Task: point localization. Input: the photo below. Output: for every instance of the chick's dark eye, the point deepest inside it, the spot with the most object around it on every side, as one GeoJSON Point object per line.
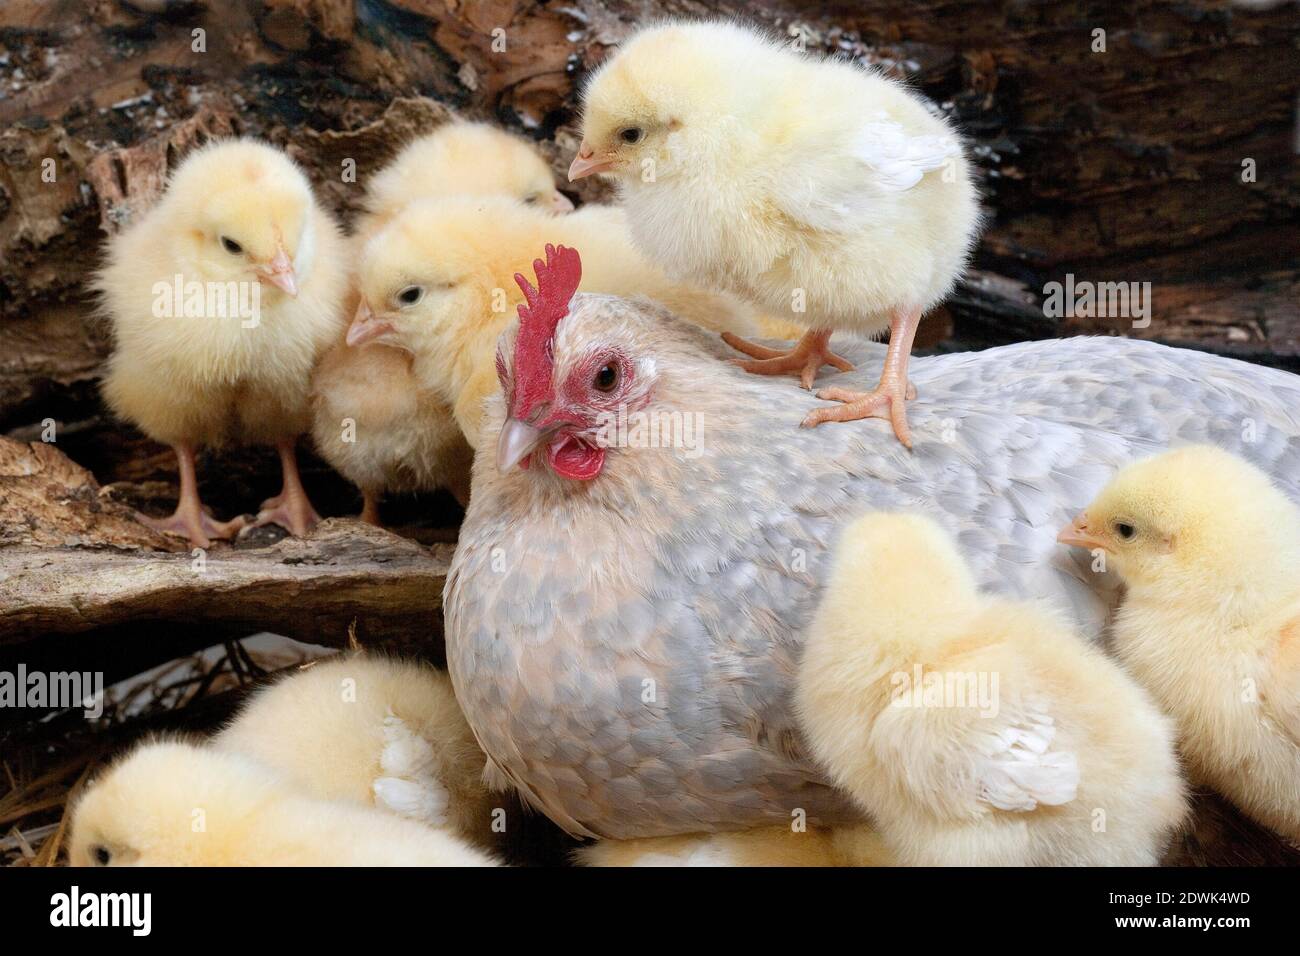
{"type": "Point", "coordinates": [1124, 530]}
{"type": "Point", "coordinates": [410, 295]}
{"type": "Point", "coordinates": [102, 855]}
{"type": "Point", "coordinates": [606, 378]}
{"type": "Point", "coordinates": [231, 246]}
{"type": "Point", "coordinates": [630, 134]}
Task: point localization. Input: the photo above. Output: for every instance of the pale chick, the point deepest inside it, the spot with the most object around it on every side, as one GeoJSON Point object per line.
{"type": "Point", "coordinates": [176, 804]}
{"type": "Point", "coordinates": [769, 846]}
{"type": "Point", "coordinates": [1209, 551]}
{"type": "Point", "coordinates": [463, 159]}
{"type": "Point", "coordinates": [374, 731]}
{"type": "Point", "coordinates": [816, 188]}
{"type": "Point", "coordinates": [438, 281]}
{"type": "Point", "coordinates": [976, 730]}
{"type": "Point", "coordinates": [370, 419]}
{"type": "Point", "coordinates": [237, 224]}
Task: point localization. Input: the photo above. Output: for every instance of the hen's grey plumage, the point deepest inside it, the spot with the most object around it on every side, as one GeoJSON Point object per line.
{"type": "Point", "coordinates": [625, 648]}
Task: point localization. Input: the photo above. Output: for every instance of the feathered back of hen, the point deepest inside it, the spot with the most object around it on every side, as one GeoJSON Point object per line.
{"type": "Point", "coordinates": [557, 281]}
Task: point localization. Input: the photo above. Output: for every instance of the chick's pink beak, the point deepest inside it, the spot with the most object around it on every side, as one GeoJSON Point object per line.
{"type": "Point", "coordinates": [587, 163]}
{"type": "Point", "coordinates": [366, 326]}
{"type": "Point", "coordinates": [280, 273]}
{"type": "Point", "coordinates": [1077, 535]}
{"type": "Point", "coordinates": [561, 203]}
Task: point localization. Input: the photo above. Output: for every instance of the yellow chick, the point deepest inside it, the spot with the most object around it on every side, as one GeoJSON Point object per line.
{"type": "Point", "coordinates": [378, 429]}
{"type": "Point", "coordinates": [438, 281]}
{"type": "Point", "coordinates": [464, 159]}
{"type": "Point", "coordinates": [222, 298]}
{"type": "Point", "coordinates": [174, 804]}
{"type": "Point", "coordinates": [371, 421]}
{"type": "Point", "coordinates": [812, 187]}
{"type": "Point", "coordinates": [976, 730]}
{"type": "Point", "coordinates": [374, 731]}
{"type": "Point", "coordinates": [1209, 551]}
{"type": "Point", "coordinates": [775, 846]}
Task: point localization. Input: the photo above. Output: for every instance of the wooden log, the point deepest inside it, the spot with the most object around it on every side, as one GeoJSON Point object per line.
{"type": "Point", "coordinates": [344, 575]}
{"type": "Point", "coordinates": [72, 560]}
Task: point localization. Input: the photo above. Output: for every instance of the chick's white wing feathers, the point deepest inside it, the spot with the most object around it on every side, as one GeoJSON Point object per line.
{"type": "Point", "coordinates": [409, 786]}
{"type": "Point", "coordinates": [836, 189]}
{"type": "Point", "coordinates": [1018, 769]}
{"type": "Point", "coordinates": [897, 159]}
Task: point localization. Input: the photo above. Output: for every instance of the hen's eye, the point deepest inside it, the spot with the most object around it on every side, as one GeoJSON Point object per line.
{"type": "Point", "coordinates": [631, 134]}
{"type": "Point", "coordinates": [1125, 531]}
{"type": "Point", "coordinates": [606, 378]}
{"type": "Point", "coordinates": [410, 295]}
{"type": "Point", "coordinates": [101, 855]}
{"type": "Point", "coordinates": [231, 246]}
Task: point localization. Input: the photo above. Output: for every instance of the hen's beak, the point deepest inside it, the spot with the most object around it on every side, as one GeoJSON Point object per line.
{"type": "Point", "coordinates": [516, 442]}
{"type": "Point", "coordinates": [280, 273]}
{"type": "Point", "coordinates": [1077, 535]}
{"type": "Point", "coordinates": [586, 163]}
{"type": "Point", "coordinates": [561, 203]}
{"type": "Point", "coordinates": [366, 326]}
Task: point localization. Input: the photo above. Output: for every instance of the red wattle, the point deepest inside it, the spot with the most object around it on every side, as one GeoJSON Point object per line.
{"type": "Point", "coordinates": [571, 458]}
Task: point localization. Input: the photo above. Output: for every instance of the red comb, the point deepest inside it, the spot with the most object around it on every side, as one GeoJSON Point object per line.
{"type": "Point", "coordinates": [557, 280]}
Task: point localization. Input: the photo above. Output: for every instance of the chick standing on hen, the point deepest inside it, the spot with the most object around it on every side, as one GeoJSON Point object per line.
{"type": "Point", "coordinates": [175, 804]}
{"type": "Point", "coordinates": [1209, 549]}
{"type": "Point", "coordinates": [813, 187]}
{"type": "Point", "coordinates": [373, 731]}
{"type": "Point", "coordinates": [238, 223]}
{"type": "Point", "coordinates": [625, 617]}
{"type": "Point", "coordinates": [371, 419]}
{"type": "Point", "coordinates": [977, 731]}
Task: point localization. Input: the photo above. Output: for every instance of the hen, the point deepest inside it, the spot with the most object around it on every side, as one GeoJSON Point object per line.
{"type": "Point", "coordinates": [625, 617]}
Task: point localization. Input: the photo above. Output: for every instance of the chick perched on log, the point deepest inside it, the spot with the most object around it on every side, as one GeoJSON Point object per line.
{"type": "Point", "coordinates": [371, 418]}
{"type": "Point", "coordinates": [222, 298]}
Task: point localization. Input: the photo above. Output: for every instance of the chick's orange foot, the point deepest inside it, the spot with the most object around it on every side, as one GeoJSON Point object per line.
{"type": "Point", "coordinates": [888, 401]}
{"type": "Point", "coordinates": [193, 522]}
{"type": "Point", "coordinates": [807, 357]}
{"type": "Point", "coordinates": [291, 511]}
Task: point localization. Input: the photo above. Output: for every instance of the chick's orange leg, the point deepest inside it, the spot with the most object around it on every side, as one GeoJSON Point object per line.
{"type": "Point", "coordinates": [889, 400]}
{"type": "Point", "coordinates": [291, 508]}
{"type": "Point", "coordinates": [190, 520]}
{"type": "Point", "coordinates": [807, 357]}
{"type": "Point", "coordinates": [370, 509]}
